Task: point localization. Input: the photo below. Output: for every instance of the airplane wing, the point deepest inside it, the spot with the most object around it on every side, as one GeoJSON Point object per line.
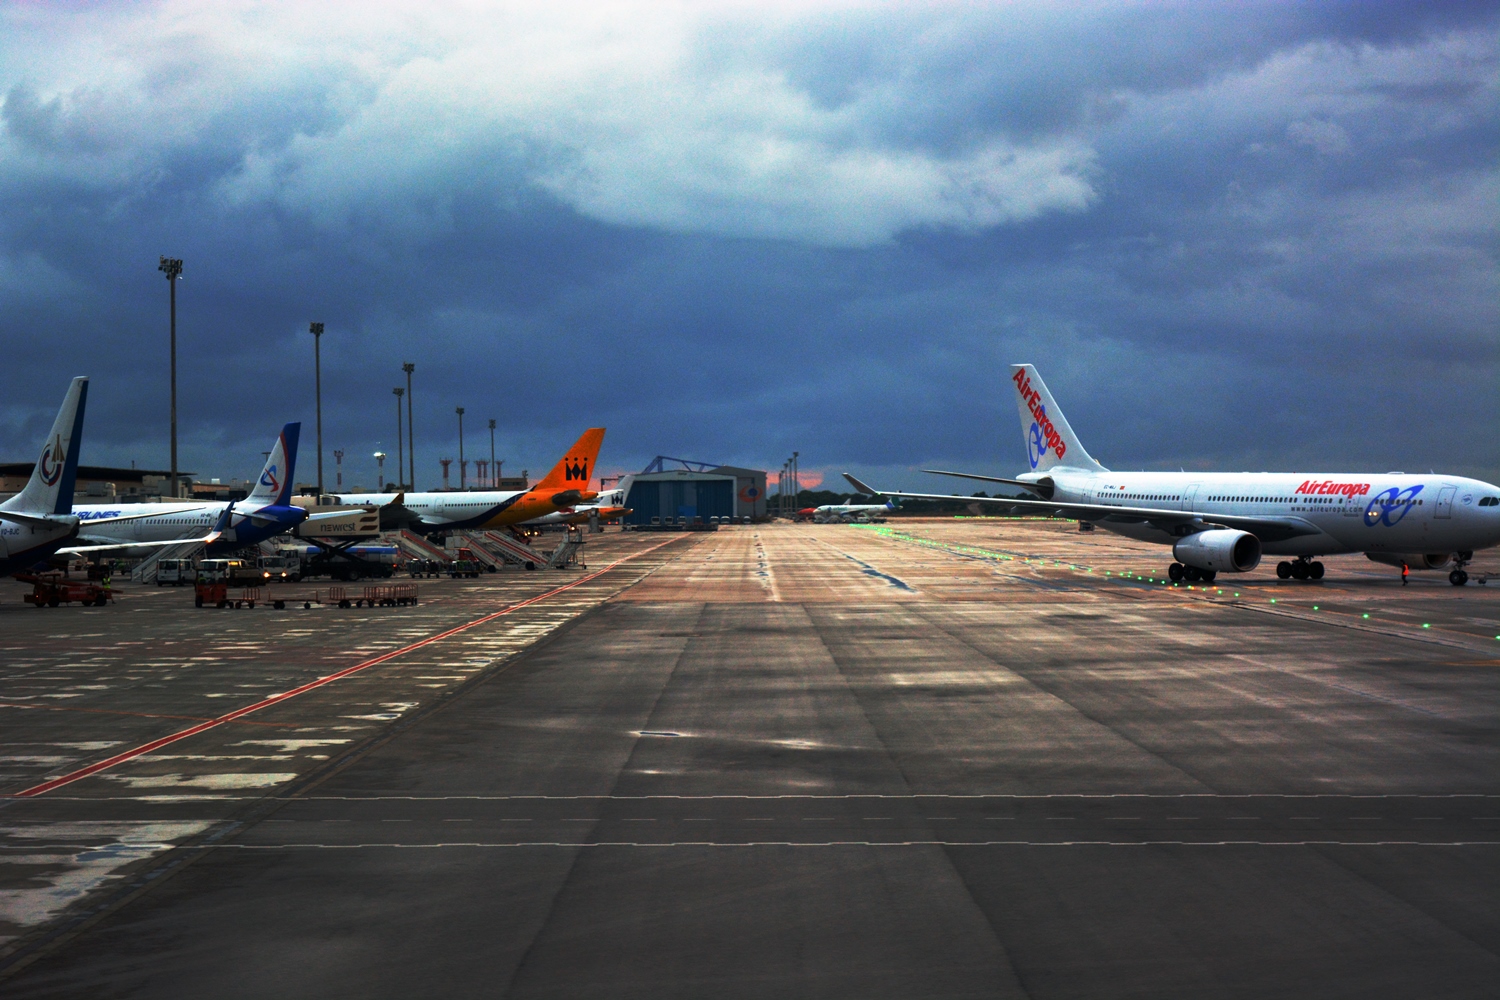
{"type": "Point", "coordinates": [85, 549]}
{"type": "Point", "coordinates": [1267, 529]}
{"type": "Point", "coordinates": [988, 479]}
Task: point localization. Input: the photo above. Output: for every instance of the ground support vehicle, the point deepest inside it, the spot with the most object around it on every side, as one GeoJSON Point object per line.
{"type": "Point", "coordinates": [174, 571]}
{"type": "Point", "coordinates": [51, 589]}
{"type": "Point", "coordinates": [463, 567]}
{"type": "Point", "coordinates": [219, 594]}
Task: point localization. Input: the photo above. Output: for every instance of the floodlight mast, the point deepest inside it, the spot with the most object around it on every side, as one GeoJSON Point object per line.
{"type": "Point", "coordinates": [316, 329]}
{"type": "Point", "coordinates": [463, 467]}
{"type": "Point", "coordinates": [495, 472]}
{"type": "Point", "coordinates": [172, 268]}
{"type": "Point", "coordinates": [400, 454]}
{"type": "Point", "coordinates": [411, 435]}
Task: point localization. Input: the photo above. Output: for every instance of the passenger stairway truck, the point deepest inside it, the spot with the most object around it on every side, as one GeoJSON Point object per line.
{"type": "Point", "coordinates": [418, 547]}
{"type": "Point", "coordinates": [569, 551]}
{"type": "Point", "coordinates": [515, 550]}
{"type": "Point", "coordinates": [147, 569]}
{"type": "Point", "coordinates": [479, 548]}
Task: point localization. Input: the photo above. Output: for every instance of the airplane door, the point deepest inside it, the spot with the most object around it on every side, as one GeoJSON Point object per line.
{"type": "Point", "coordinates": [1445, 502]}
{"type": "Point", "coordinates": [1189, 496]}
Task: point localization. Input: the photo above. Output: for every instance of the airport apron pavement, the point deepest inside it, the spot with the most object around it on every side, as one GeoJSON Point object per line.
{"type": "Point", "coordinates": [929, 758]}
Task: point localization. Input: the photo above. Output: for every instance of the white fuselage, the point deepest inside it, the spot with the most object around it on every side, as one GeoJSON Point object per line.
{"type": "Point", "coordinates": [1392, 512]}
{"type": "Point", "coordinates": [165, 521]}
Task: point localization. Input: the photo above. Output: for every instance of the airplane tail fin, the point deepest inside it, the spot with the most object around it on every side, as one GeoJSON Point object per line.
{"type": "Point", "coordinates": [50, 489]}
{"type": "Point", "coordinates": [275, 483]}
{"type": "Point", "coordinates": [577, 466]}
{"type": "Point", "coordinates": [1049, 439]}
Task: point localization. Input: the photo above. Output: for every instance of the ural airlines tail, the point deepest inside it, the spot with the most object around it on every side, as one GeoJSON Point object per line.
{"type": "Point", "coordinates": [221, 526]}
{"type": "Point", "coordinates": [1224, 522]}
{"type": "Point", "coordinates": [37, 521]}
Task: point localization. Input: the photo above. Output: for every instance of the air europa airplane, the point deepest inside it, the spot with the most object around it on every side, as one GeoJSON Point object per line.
{"type": "Point", "coordinates": [464, 510]}
{"type": "Point", "coordinates": [1226, 521]}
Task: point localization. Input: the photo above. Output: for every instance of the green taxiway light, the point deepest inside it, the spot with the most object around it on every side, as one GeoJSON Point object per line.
{"type": "Point", "coordinates": [1236, 593]}
{"type": "Point", "coordinates": [1273, 600]}
{"type": "Point", "coordinates": [1364, 616]}
{"type": "Point", "coordinates": [1315, 607]}
{"type": "Point", "coordinates": [1425, 625]}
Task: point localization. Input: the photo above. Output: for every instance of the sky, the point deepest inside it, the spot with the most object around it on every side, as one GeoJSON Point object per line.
{"type": "Point", "coordinates": [1240, 236]}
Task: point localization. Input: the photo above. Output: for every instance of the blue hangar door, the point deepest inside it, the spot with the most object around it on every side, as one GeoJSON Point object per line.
{"type": "Point", "coordinates": [680, 498]}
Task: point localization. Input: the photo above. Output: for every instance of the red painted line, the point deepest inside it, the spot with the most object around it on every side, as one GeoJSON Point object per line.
{"type": "Point", "coordinates": [277, 699]}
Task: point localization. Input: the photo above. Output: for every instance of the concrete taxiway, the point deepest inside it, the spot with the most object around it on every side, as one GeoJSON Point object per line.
{"type": "Point", "coordinates": [926, 758]}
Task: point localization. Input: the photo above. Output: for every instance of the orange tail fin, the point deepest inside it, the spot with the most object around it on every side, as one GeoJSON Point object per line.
{"type": "Point", "coordinates": [577, 466]}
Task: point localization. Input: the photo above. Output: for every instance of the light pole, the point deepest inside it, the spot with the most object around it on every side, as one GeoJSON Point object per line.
{"type": "Point", "coordinates": [463, 467]}
{"type": "Point", "coordinates": [316, 329]}
{"type": "Point", "coordinates": [380, 471]}
{"type": "Point", "coordinates": [796, 482]}
{"type": "Point", "coordinates": [400, 456]}
{"type": "Point", "coordinates": [494, 483]}
{"type": "Point", "coordinates": [172, 268]}
{"type": "Point", "coordinates": [411, 435]}
{"type": "Point", "coordinates": [338, 464]}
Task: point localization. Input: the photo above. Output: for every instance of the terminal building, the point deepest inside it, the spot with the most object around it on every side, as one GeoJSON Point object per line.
{"type": "Point", "coordinates": [697, 490]}
{"type": "Point", "coordinates": [98, 483]}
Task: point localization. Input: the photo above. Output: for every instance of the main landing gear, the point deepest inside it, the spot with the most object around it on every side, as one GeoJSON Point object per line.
{"type": "Point", "coordinates": [1302, 569]}
{"type": "Point", "coordinates": [1190, 574]}
{"type": "Point", "coordinates": [1459, 577]}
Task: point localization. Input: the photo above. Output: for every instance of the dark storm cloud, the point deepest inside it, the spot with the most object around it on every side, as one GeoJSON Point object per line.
{"type": "Point", "coordinates": [1249, 237]}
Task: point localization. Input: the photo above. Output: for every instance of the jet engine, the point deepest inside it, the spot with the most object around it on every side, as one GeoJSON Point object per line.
{"type": "Point", "coordinates": [1414, 560]}
{"type": "Point", "coordinates": [1219, 549]}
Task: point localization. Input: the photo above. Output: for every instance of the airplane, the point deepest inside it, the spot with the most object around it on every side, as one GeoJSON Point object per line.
{"type": "Point", "coordinates": [1224, 522]}
{"type": "Point", "coordinates": [609, 505]}
{"type": "Point", "coordinates": [39, 520]}
{"type": "Point", "coordinates": [830, 513]}
{"type": "Point", "coordinates": [479, 510]}
{"type": "Point", "coordinates": [223, 526]}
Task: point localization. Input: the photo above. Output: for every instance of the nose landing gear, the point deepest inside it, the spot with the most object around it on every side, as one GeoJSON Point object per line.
{"type": "Point", "coordinates": [1303, 568]}
{"type": "Point", "coordinates": [1179, 573]}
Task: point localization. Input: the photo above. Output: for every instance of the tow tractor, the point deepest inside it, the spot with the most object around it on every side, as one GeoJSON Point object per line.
{"type": "Point", "coordinates": [212, 587]}
{"type": "Point", "coordinates": [51, 589]}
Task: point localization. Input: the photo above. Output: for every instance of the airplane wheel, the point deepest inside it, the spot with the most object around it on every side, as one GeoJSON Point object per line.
{"type": "Point", "coordinates": [1174, 572]}
{"type": "Point", "coordinates": [1299, 571]}
{"type": "Point", "coordinates": [1192, 574]}
{"type": "Point", "coordinates": [1316, 570]}
{"type": "Point", "coordinates": [1458, 578]}
{"type": "Point", "coordinates": [1283, 570]}
{"type": "Point", "coordinates": [1209, 575]}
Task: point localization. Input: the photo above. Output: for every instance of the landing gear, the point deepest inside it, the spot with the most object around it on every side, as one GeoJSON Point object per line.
{"type": "Point", "coordinates": [1302, 569]}
{"type": "Point", "coordinates": [1179, 573]}
{"type": "Point", "coordinates": [1458, 578]}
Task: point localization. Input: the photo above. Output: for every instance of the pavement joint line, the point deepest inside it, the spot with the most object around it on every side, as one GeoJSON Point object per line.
{"type": "Point", "coordinates": [313, 685]}
{"type": "Point", "coordinates": [898, 797]}
{"type": "Point", "coordinates": [138, 715]}
{"type": "Point", "coordinates": [574, 845]}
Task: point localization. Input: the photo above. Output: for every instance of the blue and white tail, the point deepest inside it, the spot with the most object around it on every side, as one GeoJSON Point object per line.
{"type": "Point", "coordinates": [50, 489]}
{"type": "Point", "coordinates": [1049, 440]}
{"type": "Point", "coordinates": [275, 483]}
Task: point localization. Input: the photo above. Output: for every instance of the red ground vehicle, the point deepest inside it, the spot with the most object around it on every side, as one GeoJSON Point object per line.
{"type": "Point", "coordinates": [51, 589]}
{"type": "Point", "coordinates": [212, 586]}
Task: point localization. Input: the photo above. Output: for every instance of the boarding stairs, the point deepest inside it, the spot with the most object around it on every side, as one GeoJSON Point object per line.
{"type": "Point", "coordinates": [418, 547]}
{"type": "Point", "coordinates": [514, 550]}
{"type": "Point", "coordinates": [569, 551]}
{"type": "Point", "coordinates": [145, 571]}
{"type": "Point", "coordinates": [482, 548]}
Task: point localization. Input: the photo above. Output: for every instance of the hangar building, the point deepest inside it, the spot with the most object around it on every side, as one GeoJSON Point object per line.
{"type": "Point", "coordinates": [697, 490]}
